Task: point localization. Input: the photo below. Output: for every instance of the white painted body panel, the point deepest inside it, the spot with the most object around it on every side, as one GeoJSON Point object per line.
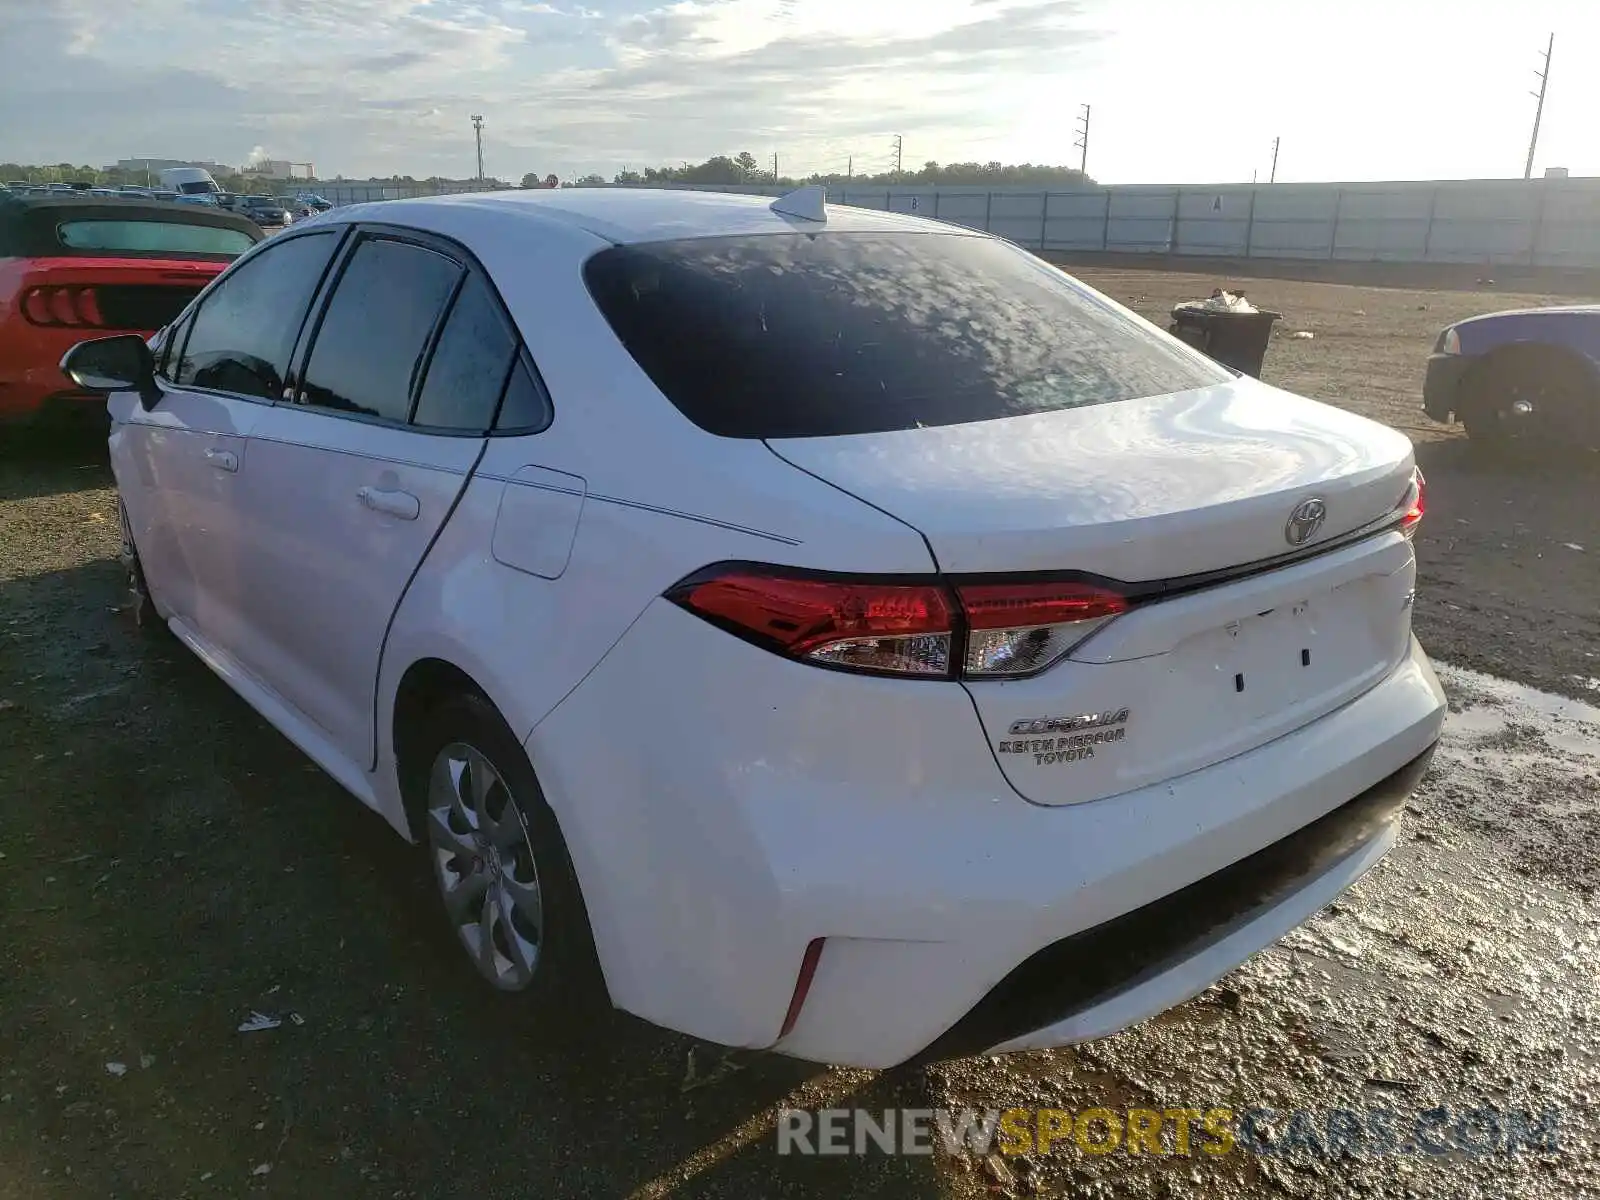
{"type": "Point", "coordinates": [723, 805]}
{"type": "Point", "coordinates": [865, 811]}
{"type": "Point", "coordinates": [1137, 490]}
{"type": "Point", "coordinates": [322, 570]}
{"type": "Point", "coordinates": [184, 465]}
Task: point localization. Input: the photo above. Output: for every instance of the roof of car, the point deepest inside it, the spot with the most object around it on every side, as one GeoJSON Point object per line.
{"type": "Point", "coordinates": [28, 223]}
{"type": "Point", "coordinates": [625, 215]}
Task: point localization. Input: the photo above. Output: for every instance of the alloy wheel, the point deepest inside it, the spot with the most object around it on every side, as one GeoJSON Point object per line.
{"type": "Point", "coordinates": [484, 865]}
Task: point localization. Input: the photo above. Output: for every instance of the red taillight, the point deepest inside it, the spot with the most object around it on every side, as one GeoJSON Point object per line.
{"type": "Point", "coordinates": [987, 630]}
{"type": "Point", "coordinates": [36, 306]}
{"type": "Point", "coordinates": [1020, 628]}
{"type": "Point", "coordinates": [87, 302]}
{"type": "Point", "coordinates": [1413, 504]}
{"type": "Point", "coordinates": [62, 307]}
{"type": "Point", "coordinates": [904, 629]}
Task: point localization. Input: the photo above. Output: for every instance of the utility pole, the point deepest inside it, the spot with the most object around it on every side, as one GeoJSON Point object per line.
{"type": "Point", "coordinates": [1538, 113]}
{"type": "Point", "coordinates": [1273, 178]}
{"type": "Point", "coordinates": [477, 130]}
{"type": "Point", "coordinates": [1082, 142]}
{"type": "Point", "coordinates": [899, 149]}
{"type": "Point", "coordinates": [774, 168]}
{"type": "Point", "coordinates": [850, 168]}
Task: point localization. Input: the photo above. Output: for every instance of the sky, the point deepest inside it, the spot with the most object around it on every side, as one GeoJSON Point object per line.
{"type": "Point", "coordinates": [1181, 91]}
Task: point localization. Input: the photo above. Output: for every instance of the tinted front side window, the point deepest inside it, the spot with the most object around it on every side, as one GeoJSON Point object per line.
{"type": "Point", "coordinates": [376, 328]}
{"type": "Point", "coordinates": [808, 335]}
{"type": "Point", "coordinates": [469, 366]}
{"type": "Point", "coordinates": [244, 331]}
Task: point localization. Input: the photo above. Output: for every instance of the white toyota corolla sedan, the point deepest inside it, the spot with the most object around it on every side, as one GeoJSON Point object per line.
{"type": "Point", "coordinates": [823, 629]}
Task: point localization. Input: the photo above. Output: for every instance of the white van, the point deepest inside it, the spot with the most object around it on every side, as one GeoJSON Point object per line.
{"type": "Point", "coordinates": [190, 181]}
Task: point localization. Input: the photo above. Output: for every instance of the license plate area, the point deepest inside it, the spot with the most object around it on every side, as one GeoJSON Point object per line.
{"type": "Point", "coordinates": [1274, 660]}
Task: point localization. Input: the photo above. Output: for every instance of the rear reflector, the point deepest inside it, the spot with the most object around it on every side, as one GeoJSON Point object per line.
{"type": "Point", "coordinates": [927, 630]}
{"type": "Point", "coordinates": [802, 985]}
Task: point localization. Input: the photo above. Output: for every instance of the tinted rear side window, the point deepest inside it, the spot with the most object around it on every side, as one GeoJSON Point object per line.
{"type": "Point", "coordinates": [812, 335]}
{"type": "Point", "coordinates": [469, 366]}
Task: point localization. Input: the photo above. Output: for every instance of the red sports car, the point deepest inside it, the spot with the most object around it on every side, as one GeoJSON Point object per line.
{"type": "Point", "coordinates": [73, 268]}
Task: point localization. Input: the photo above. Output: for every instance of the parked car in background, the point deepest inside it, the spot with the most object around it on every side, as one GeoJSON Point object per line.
{"type": "Point", "coordinates": [264, 211]}
{"type": "Point", "coordinates": [160, 194]}
{"type": "Point", "coordinates": [993, 683]}
{"type": "Point", "coordinates": [315, 201]}
{"type": "Point", "coordinates": [297, 208]}
{"type": "Point", "coordinates": [73, 266]}
{"type": "Point", "coordinates": [189, 181]}
{"type": "Point", "coordinates": [1527, 375]}
{"type": "Point", "coordinates": [205, 198]}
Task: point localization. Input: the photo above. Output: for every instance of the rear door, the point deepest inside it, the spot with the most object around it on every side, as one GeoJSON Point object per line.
{"type": "Point", "coordinates": [352, 481]}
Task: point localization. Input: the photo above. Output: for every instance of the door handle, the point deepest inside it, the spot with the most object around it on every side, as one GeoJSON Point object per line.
{"type": "Point", "coordinates": [392, 503]}
{"type": "Point", "coordinates": [222, 460]}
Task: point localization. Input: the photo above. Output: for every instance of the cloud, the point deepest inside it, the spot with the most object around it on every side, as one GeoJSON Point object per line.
{"type": "Point", "coordinates": [385, 86]}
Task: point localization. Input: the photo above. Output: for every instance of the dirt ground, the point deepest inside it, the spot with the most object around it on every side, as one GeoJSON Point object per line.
{"type": "Point", "coordinates": [169, 864]}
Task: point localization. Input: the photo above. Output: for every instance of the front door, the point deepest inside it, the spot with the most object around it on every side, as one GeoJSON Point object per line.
{"type": "Point", "coordinates": [181, 466]}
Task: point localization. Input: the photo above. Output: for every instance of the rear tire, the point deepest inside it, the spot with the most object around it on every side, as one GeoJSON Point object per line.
{"type": "Point", "coordinates": [498, 859]}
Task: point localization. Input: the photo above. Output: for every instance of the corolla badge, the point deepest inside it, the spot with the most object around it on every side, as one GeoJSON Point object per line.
{"type": "Point", "coordinates": [1304, 521]}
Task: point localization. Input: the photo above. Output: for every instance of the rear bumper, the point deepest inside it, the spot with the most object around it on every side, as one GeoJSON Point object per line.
{"type": "Point", "coordinates": [1441, 389]}
{"type": "Point", "coordinates": [1093, 983]}
{"type": "Point", "coordinates": [725, 807]}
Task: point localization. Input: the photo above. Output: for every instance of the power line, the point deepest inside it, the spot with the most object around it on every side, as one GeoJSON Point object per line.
{"type": "Point", "coordinates": [1082, 142]}
{"type": "Point", "coordinates": [1538, 113]}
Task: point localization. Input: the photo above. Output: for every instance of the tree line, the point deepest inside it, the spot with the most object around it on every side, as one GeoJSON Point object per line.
{"type": "Point", "coordinates": [741, 168]}
{"type": "Point", "coordinates": [744, 168]}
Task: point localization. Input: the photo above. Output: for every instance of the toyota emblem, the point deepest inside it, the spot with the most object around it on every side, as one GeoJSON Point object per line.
{"type": "Point", "coordinates": [1304, 521]}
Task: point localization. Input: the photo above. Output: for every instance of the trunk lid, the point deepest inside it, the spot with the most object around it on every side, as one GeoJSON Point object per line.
{"type": "Point", "coordinates": [1149, 492]}
{"type": "Point", "coordinates": [1137, 490]}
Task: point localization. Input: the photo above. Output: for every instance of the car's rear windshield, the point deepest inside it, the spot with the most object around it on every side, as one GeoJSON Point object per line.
{"type": "Point", "coordinates": [145, 237]}
{"type": "Point", "coordinates": [814, 335]}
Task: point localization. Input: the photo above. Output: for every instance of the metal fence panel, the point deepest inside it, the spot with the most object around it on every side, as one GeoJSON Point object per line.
{"type": "Point", "coordinates": [1553, 222]}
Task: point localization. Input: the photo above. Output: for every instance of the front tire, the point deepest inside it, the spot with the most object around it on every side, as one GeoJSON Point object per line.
{"type": "Point", "coordinates": [139, 603]}
{"type": "Point", "coordinates": [1527, 396]}
{"type": "Point", "coordinates": [499, 862]}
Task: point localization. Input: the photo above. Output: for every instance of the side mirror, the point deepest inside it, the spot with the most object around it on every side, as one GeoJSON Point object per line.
{"type": "Point", "coordinates": [114, 364]}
